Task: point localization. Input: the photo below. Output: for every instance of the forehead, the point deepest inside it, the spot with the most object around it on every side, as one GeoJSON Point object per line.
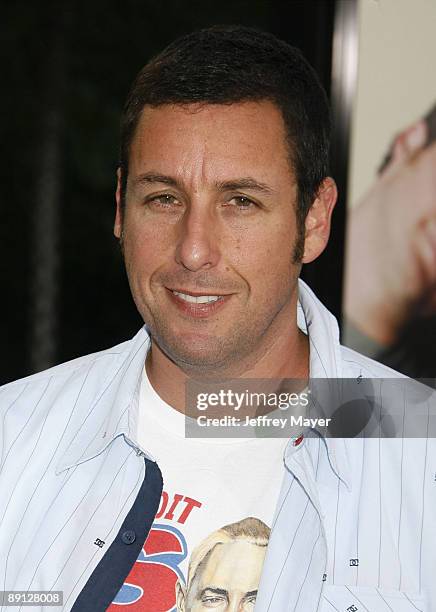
{"type": "Point", "coordinates": [212, 139]}
{"type": "Point", "coordinates": [235, 564]}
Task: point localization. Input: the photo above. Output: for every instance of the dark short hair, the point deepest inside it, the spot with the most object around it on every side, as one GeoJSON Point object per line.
{"type": "Point", "coordinates": [229, 64]}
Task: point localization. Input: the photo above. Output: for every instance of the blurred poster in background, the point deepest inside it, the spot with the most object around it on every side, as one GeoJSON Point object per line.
{"type": "Point", "coordinates": [389, 307]}
{"type": "Point", "coordinates": [67, 70]}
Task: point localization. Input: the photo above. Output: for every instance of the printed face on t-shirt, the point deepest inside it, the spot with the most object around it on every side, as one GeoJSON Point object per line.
{"type": "Point", "coordinates": [227, 579]}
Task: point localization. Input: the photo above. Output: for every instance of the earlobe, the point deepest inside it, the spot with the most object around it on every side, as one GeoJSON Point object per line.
{"type": "Point", "coordinates": [318, 220]}
{"type": "Point", "coordinates": [118, 212]}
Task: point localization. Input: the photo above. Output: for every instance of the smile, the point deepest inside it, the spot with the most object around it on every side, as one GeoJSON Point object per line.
{"type": "Point", "coordinates": [197, 305]}
{"type": "Point", "coordinates": [197, 299]}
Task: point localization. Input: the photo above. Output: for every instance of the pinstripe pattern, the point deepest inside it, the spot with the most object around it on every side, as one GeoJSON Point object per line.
{"type": "Point", "coordinates": [356, 516]}
{"type": "Point", "coordinates": [67, 483]}
{"type": "Point", "coordinates": [354, 524]}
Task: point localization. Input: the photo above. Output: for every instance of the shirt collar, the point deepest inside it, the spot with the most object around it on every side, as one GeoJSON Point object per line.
{"type": "Point", "coordinates": [114, 411]}
{"type": "Point", "coordinates": [325, 362]}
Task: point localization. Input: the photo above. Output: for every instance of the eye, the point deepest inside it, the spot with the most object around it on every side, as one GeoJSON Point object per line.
{"type": "Point", "coordinates": [212, 601]}
{"type": "Point", "coordinates": [243, 202]}
{"type": "Point", "coordinates": [163, 200]}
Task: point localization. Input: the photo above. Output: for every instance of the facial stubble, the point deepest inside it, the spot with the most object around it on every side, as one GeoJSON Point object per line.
{"type": "Point", "coordinates": [224, 352]}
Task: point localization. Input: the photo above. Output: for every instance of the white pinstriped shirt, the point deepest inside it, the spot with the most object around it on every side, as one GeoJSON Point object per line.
{"type": "Point", "coordinates": [355, 525]}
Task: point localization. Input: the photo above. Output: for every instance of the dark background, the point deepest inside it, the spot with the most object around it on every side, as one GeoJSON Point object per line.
{"type": "Point", "coordinates": [67, 67]}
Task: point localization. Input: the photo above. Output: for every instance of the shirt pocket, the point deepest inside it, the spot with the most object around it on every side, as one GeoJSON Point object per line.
{"type": "Point", "coordinates": [338, 598]}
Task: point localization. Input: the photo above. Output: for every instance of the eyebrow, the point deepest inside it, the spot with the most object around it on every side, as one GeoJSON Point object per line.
{"type": "Point", "coordinates": [215, 590]}
{"type": "Point", "coordinates": [218, 591]}
{"type": "Point", "coordinates": [246, 182]}
{"type": "Point", "coordinates": [151, 177]}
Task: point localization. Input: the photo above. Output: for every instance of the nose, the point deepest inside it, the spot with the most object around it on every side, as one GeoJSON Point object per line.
{"type": "Point", "coordinates": [234, 605]}
{"type": "Point", "coordinates": [198, 241]}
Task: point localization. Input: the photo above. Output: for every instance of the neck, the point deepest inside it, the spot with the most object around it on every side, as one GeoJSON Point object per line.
{"type": "Point", "coordinates": [285, 355]}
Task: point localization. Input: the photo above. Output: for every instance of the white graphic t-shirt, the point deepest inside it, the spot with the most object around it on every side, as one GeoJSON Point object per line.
{"type": "Point", "coordinates": [207, 544]}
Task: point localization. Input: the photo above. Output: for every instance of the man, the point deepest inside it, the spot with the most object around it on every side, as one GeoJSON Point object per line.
{"type": "Point", "coordinates": [392, 314]}
{"type": "Point", "coordinates": [225, 568]}
{"type": "Point", "coordinates": [223, 193]}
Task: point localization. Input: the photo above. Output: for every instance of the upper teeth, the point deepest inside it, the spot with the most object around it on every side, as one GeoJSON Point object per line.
{"type": "Point", "coordinates": [197, 299]}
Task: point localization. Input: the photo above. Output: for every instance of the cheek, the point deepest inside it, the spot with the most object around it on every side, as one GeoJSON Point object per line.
{"type": "Point", "coordinates": [145, 247]}
{"type": "Point", "coordinates": [266, 255]}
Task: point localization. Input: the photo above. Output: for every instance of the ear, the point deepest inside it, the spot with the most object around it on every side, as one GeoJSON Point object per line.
{"type": "Point", "coordinates": [180, 596]}
{"type": "Point", "coordinates": [118, 225]}
{"type": "Point", "coordinates": [409, 142]}
{"type": "Point", "coordinates": [318, 219]}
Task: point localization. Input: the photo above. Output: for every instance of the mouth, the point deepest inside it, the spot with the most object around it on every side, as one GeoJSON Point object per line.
{"type": "Point", "coordinates": [195, 304]}
{"type": "Point", "coordinates": [194, 298]}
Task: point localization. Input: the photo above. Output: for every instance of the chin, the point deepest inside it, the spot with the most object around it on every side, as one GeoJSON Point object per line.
{"type": "Point", "coordinates": [199, 356]}
{"type": "Point", "coordinates": [196, 353]}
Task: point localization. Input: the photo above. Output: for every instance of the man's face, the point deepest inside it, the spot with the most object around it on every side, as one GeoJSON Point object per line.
{"type": "Point", "coordinates": [210, 212]}
{"type": "Point", "coordinates": [229, 580]}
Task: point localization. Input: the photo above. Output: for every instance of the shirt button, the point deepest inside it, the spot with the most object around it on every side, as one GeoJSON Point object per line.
{"type": "Point", "coordinates": [128, 537]}
{"type": "Point", "coordinates": [298, 441]}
